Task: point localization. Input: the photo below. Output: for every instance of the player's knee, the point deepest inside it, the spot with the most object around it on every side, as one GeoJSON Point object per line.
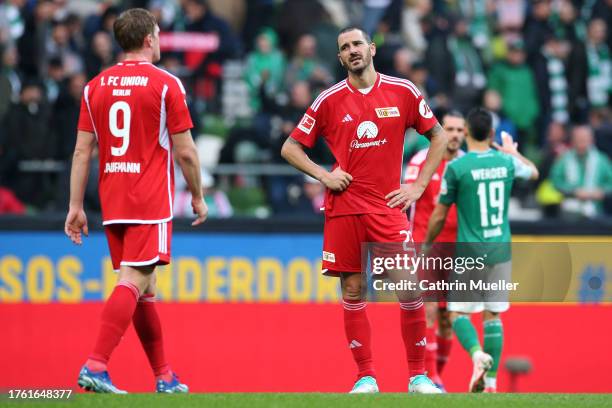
{"type": "Point", "coordinates": [489, 315]}
{"type": "Point", "coordinates": [351, 291]}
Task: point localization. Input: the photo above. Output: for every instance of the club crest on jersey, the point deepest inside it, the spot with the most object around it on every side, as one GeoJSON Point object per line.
{"type": "Point", "coordinates": [425, 110]}
{"type": "Point", "coordinates": [367, 129]}
{"type": "Point", "coordinates": [307, 123]}
{"type": "Point", "coordinates": [390, 112]}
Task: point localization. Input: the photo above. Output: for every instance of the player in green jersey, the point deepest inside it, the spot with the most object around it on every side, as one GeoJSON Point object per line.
{"type": "Point", "coordinates": [479, 183]}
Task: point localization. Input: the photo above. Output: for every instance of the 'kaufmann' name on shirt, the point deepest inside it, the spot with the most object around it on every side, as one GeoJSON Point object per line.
{"type": "Point", "coordinates": [122, 167]}
{"type": "Point", "coordinates": [490, 173]}
{"type": "Point", "coordinates": [137, 80]}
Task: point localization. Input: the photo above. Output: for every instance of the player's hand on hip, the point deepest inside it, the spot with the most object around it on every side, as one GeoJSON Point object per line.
{"type": "Point", "coordinates": [76, 225]}
{"type": "Point", "coordinates": [200, 209]}
{"type": "Point", "coordinates": [404, 196]}
{"type": "Point", "coordinates": [337, 180]}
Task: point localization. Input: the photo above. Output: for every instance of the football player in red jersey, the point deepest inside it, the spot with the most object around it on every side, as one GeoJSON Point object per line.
{"type": "Point", "coordinates": [438, 345]}
{"type": "Point", "coordinates": [363, 120]}
{"type": "Point", "coordinates": [136, 113]}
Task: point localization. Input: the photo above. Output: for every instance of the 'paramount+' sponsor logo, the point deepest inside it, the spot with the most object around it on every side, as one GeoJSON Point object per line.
{"type": "Point", "coordinates": [369, 130]}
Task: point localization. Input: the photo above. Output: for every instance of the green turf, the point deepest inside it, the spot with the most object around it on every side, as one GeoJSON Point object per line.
{"type": "Point", "coordinates": [256, 400]}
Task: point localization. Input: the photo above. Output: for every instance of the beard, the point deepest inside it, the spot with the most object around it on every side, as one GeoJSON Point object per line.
{"type": "Point", "coordinates": [366, 61]}
{"type": "Point", "coordinates": [452, 147]}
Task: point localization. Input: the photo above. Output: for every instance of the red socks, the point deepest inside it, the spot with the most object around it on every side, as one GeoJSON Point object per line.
{"type": "Point", "coordinates": [414, 334]}
{"type": "Point", "coordinates": [116, 318]}
{"type": "Point", "coordinates": [358, 335]}
{"type": "Point", "coordinates": [444, 349]}
{"type": "Point", "coordinates": [147, 325]}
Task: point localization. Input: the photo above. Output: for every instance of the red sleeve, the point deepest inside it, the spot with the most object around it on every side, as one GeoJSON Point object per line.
{"type": "Point", "coordinates": [85, 116]}
{"type": "Point", "coordinates": [423, 117]}
{"type": "Point", "coordinates": [178, 117]}
{"type": "Point", "coordinates": [309, 128]}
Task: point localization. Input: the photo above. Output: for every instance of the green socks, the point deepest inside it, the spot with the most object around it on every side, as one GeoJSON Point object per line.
{"type": "Point", "coordinates": [493, 343]}
{"type": "Point", "coordinates": [466, 333]}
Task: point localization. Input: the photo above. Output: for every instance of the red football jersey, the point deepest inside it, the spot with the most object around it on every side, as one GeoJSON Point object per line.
{"type": "Point", "coordinates": [133, 108]}
{"type": "Point", "coordinates": [365, 133]}
{"type": "Point", "coordinates": [421, 210]}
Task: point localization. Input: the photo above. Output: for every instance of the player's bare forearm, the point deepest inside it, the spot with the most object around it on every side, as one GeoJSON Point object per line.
{"type": "Point", "coordinates": [436, 222]}
{"type": "Point", "coordinates": [187, 157]}
{"type": "Point", "coordinates": [535, 174]}
{"type": "Point", "coordinates": [79, 172]}
{"type": "Point", "coordinates": [294, 153]}
{"type": "Point", "coordinates": [439, 140]}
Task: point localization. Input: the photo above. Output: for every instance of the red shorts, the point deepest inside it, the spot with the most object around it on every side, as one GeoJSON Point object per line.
{"type": "Point", "coordinates": [343, 236]}
{"type": "Point", "coordinates": [139, 244]}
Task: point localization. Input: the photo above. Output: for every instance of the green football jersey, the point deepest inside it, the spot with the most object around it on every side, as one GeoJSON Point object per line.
{"type": "Point", "coordinates": [479, 183]}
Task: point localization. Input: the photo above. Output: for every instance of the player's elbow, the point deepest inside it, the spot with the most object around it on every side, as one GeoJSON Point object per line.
{"type": "Point", "coordinates": [535, 174]}
{"type": "Point", "coordinates": [186, 155]}
{"type": "Point", "coordinates": [287, 150]}
{"type": "Point", "coordinates": [82, 154]}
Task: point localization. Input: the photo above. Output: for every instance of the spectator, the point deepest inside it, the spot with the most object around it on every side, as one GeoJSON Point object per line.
{"type": "Point", "coordinates": [100, 54]}
{"type": "Point", "coordinates": [59, 46]}
{"type": "Point", "coordinates": [12, 24]}
{"type": "Point", "coordinates": [514, 82]}
{"type": "Point", "coordinates": [573, 30]}
{"type": "Point", "coordinates": [537, 27]}
{"type": "Point", "coordinates": [10, 79]}
{"type": "Point", "coordinates": [599, 81]}
{"type": "Point", "coordinates": [583, 174]}
{"type": "Point", "coordinates": [373, 13]}
{"type": "Point", "coordinates": [556, 146]}
{"type": "Point", "coordinates": [492, 101]}
{"type": "Point", "coordinates": [65, 116]}
{"type": "Point", "coordinates": [305, 66]}
{"type": "Point", "coordinates": [265, 67]}
{"type": "Point", "coordinates": [54, 80]}
{"type": "Point", "coordinates": [200, 19]}
{"type": "Point", "coordinates": [551, 78]}
{"type": "Point", "coordinates": [28, 138]}
{"type": "Point", "coordinates": [218, 204]}
{"type": "Point", "coordinates": [546, 194]}
{"type": "Point", "coordinates": [314, 191]}
{"type": "Point", "coordinates": [467, 68]}
{"type": "Point", "coordinates": [31, 44]}
{"type": "Point", "coordinates": [412, 13]}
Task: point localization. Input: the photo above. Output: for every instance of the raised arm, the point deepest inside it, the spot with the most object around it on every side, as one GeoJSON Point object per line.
{"type": "Point", "coordinates": [187, 156]}
{"type": "Point", "coordinates": [508, 146]}
{"type": "Point", "coordinates": [293, 152]}
{"type": "Point", "coordinates": [76, 220]}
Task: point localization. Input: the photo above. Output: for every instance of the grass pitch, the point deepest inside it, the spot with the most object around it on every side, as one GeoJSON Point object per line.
{"type": "Point", "coordinates": [297, 400]}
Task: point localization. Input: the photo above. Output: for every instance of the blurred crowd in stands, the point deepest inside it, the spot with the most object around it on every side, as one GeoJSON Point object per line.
{"type": "Point", "coordinates": [251, 68]}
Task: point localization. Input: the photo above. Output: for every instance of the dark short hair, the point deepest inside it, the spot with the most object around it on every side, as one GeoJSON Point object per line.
{"type": "Point", "coordinates": [353, 28]}
{"type": "Point", "coordinates": [480, 123]}
{"type": "Point", "coordinates": [131, 28]}
{"type": "Point", "coordinates": [453, 113]}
